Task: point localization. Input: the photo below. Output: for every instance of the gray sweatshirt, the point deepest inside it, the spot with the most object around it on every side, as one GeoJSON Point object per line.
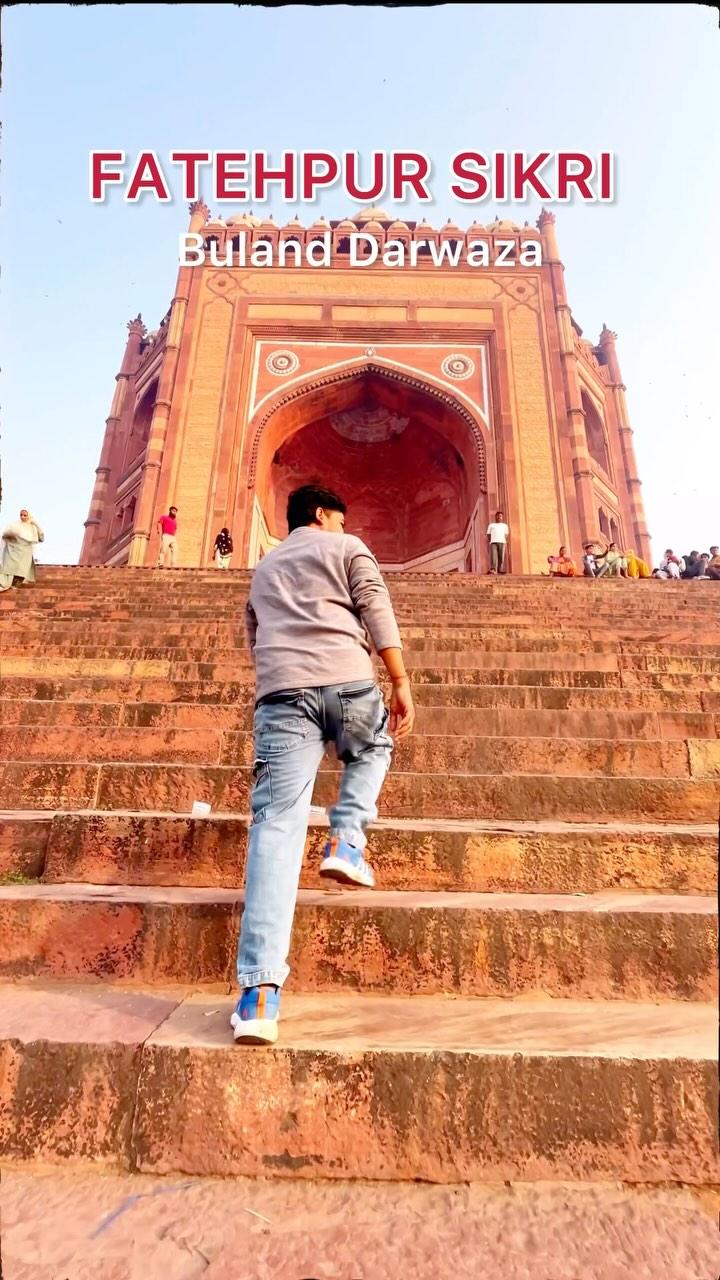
{"type": "Point", "coordinates": [317, 605]}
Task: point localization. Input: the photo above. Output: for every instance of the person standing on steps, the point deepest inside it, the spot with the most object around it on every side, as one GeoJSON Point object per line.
{"type": "Point", "coordinates": [167, 528]}
{"type": "Point", "coordinates": [497, 535]}
{"type": "Point", "coordinates": [317, 604]}
{"type": "Point", "coordinates": [17, 563]}
{"type": "Point", "coordinates": [223, 548]}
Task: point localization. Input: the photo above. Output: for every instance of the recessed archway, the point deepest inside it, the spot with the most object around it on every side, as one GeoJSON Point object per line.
{"type": "Point", "coordinates": [409, 460]}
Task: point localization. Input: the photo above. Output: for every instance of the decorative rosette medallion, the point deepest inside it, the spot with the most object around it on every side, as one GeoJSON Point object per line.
{"type": "Point", "coordinates": [282, 363]}
{"type": "Point", "coordinates": [458, 367]}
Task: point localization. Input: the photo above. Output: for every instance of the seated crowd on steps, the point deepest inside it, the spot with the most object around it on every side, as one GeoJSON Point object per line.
{"type": "Point", "coordinates": [19, 540]}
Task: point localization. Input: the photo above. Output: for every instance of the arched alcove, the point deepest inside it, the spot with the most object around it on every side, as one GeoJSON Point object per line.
{"type": "Point", "coordinates": [408, 459]}
{"type": "Point", "coordinates": [595, 433]}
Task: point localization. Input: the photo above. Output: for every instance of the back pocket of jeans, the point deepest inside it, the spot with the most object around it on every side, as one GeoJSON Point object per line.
{"type": "Point", "coordinates": [361, 706]}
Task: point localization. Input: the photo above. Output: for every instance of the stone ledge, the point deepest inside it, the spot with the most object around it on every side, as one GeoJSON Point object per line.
{"type": "Point", "coordinates": [614, 945]}
{"type": "Point", "coordinates": [440, 1089]}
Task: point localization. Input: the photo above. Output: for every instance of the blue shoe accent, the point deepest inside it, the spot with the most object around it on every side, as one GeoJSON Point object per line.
{"type": "Point", "coordinates": [345, 863]}
{"type": "Point", "coordinates": [255, 1020]}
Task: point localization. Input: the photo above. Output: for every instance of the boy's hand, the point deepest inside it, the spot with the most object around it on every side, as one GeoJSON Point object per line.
{"type": "Point", "coordinates": [402, 710]}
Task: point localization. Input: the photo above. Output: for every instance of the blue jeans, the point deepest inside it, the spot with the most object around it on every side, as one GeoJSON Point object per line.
{"type": "Point", "coordinates": [292, 729]}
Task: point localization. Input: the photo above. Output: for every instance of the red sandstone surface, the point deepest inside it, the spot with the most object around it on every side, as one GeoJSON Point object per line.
{"type": "Point", "coordinates": [87, 1226]}
{"type": "Point", "coordinates": [529, 996]}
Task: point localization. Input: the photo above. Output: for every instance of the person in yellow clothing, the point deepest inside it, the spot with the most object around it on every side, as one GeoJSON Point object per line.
{"type": "Point", "coordinates": [562, 565]}
{"type": "Point", "coordinates": [637, 567]}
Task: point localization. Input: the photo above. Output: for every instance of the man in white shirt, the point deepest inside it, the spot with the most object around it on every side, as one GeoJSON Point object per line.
{"type": "Point", "coordinates": [497, 535]}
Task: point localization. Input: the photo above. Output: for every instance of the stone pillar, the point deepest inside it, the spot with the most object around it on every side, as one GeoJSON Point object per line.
{"type": "Point", "coordinates": [90, 551]}
{"type": "Point", "coordinates": [582, 470]}
{"type": "Point", "coordinates": [150, 476]}
{"type": "Point", "coordinates": [632, 481]}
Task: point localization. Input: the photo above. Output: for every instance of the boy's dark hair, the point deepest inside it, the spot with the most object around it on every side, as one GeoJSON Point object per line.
{"type": "Point", "coordinates": [304, 502]}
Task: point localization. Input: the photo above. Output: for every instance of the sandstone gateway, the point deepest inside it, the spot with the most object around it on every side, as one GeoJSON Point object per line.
{"type": "Point", "coordinates": [429, 396]}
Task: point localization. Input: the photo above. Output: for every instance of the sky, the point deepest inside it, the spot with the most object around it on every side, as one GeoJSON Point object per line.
{"type": "Point", "coordinates": [635, 79]}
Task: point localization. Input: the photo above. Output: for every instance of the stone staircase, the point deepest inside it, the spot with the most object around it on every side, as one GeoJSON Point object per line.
{"type": "Point", "coordinates": [528, 995]}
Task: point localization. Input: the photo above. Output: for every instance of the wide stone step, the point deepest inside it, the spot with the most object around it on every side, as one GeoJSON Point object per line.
{"type": "Point", "coordinates": [240, 657]}
{"type": "Point", "coordinates": [135, 583]}
{"type": "Point", "coordinates": [432, 596]}
{"type": "Point", "coordinates": [485, 857]}
{"type": "Point", "coordinates": [138, 581]}
{"type": "Point", "coordinates": [424, 753]}
{"type": "Point", "coordinates": [487, 721]}
{"type": "Point", "coordinates": [642, 623]}
{"type": "Point", "coordinates": [53, 667]}
{"type": "Point", "coordinates": [396, 1228]}
{"type": "Point", "coordinates": [241, 694]}
{"type": "Point", "coordinates": [607, 945]}
{"type": "Point", "coordinates": [437, 1088]}
{"type": "Point", "coordinates": [229, 606]}
{"type": "Point", "coordinates": [18, 660]}
{"type": "Point", "coordinates": [174, 787]}
{"type": "Point", "coordinates": [142, 631]}
{"type": "Point", "coordinates": [149, 578]}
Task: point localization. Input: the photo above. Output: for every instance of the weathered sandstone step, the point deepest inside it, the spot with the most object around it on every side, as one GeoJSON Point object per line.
{"type": "Point", "coordinates": [397, 1228]}
{"type": "Point", "coordinates": [18, 659]}
{"type": "Point", "coordinates": [180, 580]}
{"type": "Point", "coordinates": [53, 667]}
{"type": "Point", "coordinates": [423, 753]}
{"type": "Point", "coordinates": [608, 945]}
{"type": "Point", "coordinates": [655, 608]}
{"type": "Point", "coordinates": [134, 691]}
{"type": "Point", "coordinates": [362, 1086]}
{"type": "Point", "coordinates": [240, 657]}
{"type": "Point", "coordinates": [24, 843]}
{"type": "Point", "coordinates": [183, 580]}
{"type": "Point", "coordinates": [173, 788]}
{"type": "Point", "coordinates": [143, 631]}
{"type": "Point", "coordinates": [150, 578]}
{"type": "Point", "coordinates": [527, 616]}
{"type": "Point", "coordinates": [522, 857]}
{"type": "Point", "coordinates": [485, 721]}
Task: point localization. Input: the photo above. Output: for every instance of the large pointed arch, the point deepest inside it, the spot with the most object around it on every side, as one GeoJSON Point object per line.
{"type": "Point", "coordinates": [418, 492]}
{"type": "Point", "coordinates": [318, 385]}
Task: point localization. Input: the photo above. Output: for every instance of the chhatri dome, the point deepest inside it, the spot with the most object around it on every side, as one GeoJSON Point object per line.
{"type": "Point", "coordinates": [373, 213]}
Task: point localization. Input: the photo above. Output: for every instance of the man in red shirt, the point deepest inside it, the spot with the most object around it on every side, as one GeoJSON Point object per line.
{"type": "Point", "coordinates": [167, 528]}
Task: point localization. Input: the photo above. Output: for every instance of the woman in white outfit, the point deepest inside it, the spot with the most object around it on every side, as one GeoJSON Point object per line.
{"type": "Point", "coordinates": [17, 564]}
